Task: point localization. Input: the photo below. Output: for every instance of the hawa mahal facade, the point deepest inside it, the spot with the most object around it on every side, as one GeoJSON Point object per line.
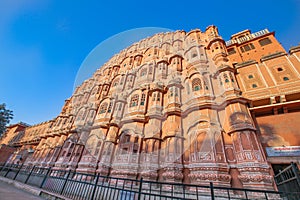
{"type": "Point", "coordinates": [178, 107]}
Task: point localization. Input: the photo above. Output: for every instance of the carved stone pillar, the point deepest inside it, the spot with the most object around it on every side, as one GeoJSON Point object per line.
{"type": "Point", "coordinates": [250, 164]}
{"type": "Point", "coordinates": [108, 151]}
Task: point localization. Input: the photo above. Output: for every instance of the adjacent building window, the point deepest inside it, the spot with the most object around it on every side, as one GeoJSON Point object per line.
{"type": "Point", "coordinates": [265, 41]}
{"type": "Point", "coordinates": [231, 51]}
{"type": "Point", "coordinates": [254, 86]}
{"type": "Point", "coordinates": [247, 47]}
{"type": "Point", "coordinates": [196, 84]}
{"type": "Point", "coordinates": [279, 69]}
{"type": "Point", "coordinates": [134, 100]}
{"type": "Point", "coordinates": [250, 76]}
{"type": "Point", "coordinates": [286, 78]}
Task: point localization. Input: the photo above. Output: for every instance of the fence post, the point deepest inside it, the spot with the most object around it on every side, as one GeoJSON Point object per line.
{"type": "Point", "coordinates": [46, 175]}
{"type": "Point", "coordinates": [2, 167]}
{"type": "Point", "coordinates": [95, 186]}
{"type": "Point", "coordinates": [65, 183]}
{"type": "Point", "coordinates": [211, 185]}
{"type": "Point", "coordinates": [18, 172]}
{"type": "Point", "coordinates": [140, 188]}
{"type": "Point", "coordinates": [8, 170]}
{"type": "Point", "coordinates": [29, 174]}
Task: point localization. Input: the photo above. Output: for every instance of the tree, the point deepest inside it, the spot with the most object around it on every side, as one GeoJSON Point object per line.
{"type": "Point", "coordinates": [5, 117]}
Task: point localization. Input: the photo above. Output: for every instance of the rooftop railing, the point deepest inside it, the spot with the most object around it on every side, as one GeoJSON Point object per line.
{"type": "Point", "coordinates": [247, 37]}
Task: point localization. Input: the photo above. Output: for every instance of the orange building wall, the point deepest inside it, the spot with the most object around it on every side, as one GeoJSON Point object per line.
{"type": "Point", "coordinates": [246, 38]}
{"type": "Point", "coordinates": [279, 130]}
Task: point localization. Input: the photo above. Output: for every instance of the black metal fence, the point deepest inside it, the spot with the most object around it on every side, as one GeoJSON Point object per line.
{"type": "Point", "coordinates": [288, 181]}
{"type": "Point", "coordinates": [76, 185]}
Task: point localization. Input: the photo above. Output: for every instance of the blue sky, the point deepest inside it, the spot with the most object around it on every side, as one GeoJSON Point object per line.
{"type": "Point", "coordinates": [44, 43]}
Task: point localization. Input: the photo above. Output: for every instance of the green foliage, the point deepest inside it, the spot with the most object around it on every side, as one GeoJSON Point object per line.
{"type": "Point", "coordinates": [5, 117]}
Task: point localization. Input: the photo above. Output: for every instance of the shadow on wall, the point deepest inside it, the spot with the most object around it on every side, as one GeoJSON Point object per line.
{"type": "Point", "coordinates": [269, 137]}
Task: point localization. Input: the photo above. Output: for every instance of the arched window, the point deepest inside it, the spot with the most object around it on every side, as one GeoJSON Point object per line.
{"type": "Point", "coordinates": [134, 100]}
{"type": "Point", "coordinates": [250, 76]}
{"type": "Point", "coordinates": [91, 114]}
{"type": "Point", "coordinates": [136, 139]}
{"type": "Point", "coordinates": [153, 96]}
{"type": "Point", "coordinates": [105, 88]}
{"type": "Point", "coordinates": [131, 79]}
{"type": "Point", "coordinates": [103, 108]}
{"type": "Point", "coordinates": [143, 72]}
{"type": "Point", "coordinates": [126, 138]}
{"type": "Point", "coordinates": [94, 91]}
{"type": "Point", "coordinates": [231, 77]}
{"type": "Point", "coordinates": [158, 97]}
{"type": "Point", "coordinates": [122, 80]}
{"type": "Point", "coordinates": [171, 92]}
{"type": "Point", "coordinates": [226, 78]}
{"type": "Point", "coordinates": [176, 92]}
{"type": "Point", "coordinates": [143, 99]}
{"type": "Point", "coordinates": [194, 54]}
{"type": "Point", "coordinates": [109, 107]}
{"type": "Point", "coordinates": [188, 88]}
{"type": "Point", "coordinates": [98, 148]}
{"type": "Point", "coordinates": [196, 84]}
{"type": "Point", "coordinates": [116, 82]}
{"type": "Point", "coordinates": [220, 81]}
{"type": "Point", "coordinates": [150, 70]}
{"type": "Point", "coordinates": [254, 86]}
{"type": "Point", "coordinates": [205, 82]}
{"type": "Point", "coordinates": [83, 115]}
{"type": "Point", "coordinates": [120, 106]}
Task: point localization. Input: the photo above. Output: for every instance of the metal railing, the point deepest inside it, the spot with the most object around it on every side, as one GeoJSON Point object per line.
{"type": "Point", "coordinates": [247, 37]}
{"type": "Point", "coordinates": [77, 185]}
{"type": "Point", "coordinates": [288, 181]}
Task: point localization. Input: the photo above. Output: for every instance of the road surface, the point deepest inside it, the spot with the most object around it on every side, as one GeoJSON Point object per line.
{"type": "Point", "coordinates": [10, 192]}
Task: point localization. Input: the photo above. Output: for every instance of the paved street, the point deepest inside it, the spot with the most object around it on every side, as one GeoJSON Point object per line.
{"type": "Point", "coordinates": [9, 192]}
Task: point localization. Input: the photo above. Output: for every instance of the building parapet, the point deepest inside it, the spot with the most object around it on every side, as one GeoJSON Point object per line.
{"type": "Point", "coordinates": [247, 37]}
{"type": "Point", "coordinates": [294, 49]}
{"type": "Point", "coordinates": [273, 55]}
{"type": "Point", "coordinates": [244, 64]}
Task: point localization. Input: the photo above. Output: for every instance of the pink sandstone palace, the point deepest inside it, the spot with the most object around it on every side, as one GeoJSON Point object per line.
{"type": "Point", "coordinates": [178, 107]}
